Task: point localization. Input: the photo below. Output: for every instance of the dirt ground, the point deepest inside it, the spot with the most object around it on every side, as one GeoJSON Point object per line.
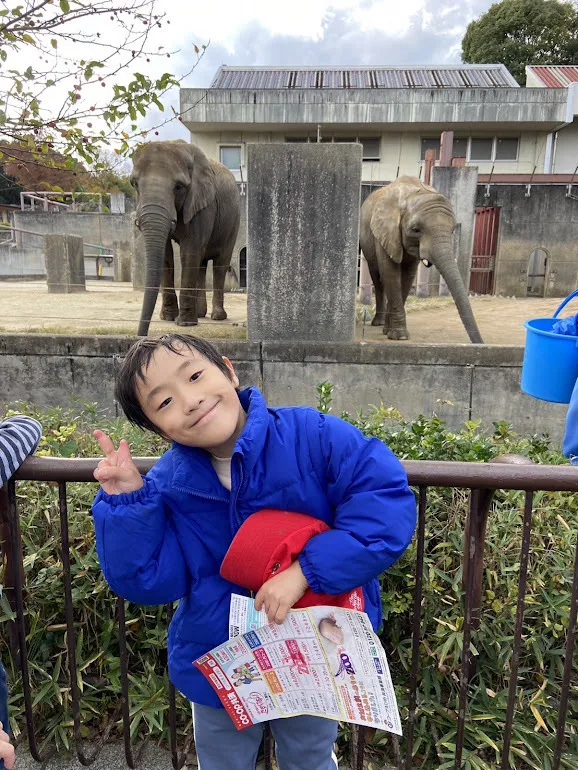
{"type": "Point", "coordinates": [106, 308]}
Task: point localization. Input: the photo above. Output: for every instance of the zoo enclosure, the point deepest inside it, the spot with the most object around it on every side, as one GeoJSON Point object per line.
{"type": "Point", "coordinates": [482, 480]}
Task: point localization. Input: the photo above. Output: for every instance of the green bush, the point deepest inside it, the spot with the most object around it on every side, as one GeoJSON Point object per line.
{"type": "Point", "coordinates": [68, 433]}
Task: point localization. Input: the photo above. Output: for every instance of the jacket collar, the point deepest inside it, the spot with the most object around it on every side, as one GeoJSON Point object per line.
{"type": "Point", "coordinates": [193, 469]}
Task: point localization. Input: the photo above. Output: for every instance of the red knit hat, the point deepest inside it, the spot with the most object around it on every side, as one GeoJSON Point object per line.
{"type": "Point", "coordinates": [268, 542]}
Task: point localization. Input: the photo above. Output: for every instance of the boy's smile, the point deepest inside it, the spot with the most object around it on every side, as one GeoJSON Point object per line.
{"type": "Point", "coordinates": [191, 401]}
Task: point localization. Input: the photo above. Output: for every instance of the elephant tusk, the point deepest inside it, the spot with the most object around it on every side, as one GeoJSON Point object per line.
{"type": "Point", "coordinates": [426, 263]}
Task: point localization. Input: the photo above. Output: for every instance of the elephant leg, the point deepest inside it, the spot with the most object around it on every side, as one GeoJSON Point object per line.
{"type": "Point", "coordinates": [380, 301]}
{"type": "Point", "coordinates": [409, 271]}
{"type": "Point", "coordinates": [190, 264]}
{"type": "Point", "coordinates": [220, 269]}
{"type": "Point", "coordinates": [397, 327]}
{"type": "Point", "coordinates": [201, 291]}
{"type": "Point", "coordinates": [170, 305]}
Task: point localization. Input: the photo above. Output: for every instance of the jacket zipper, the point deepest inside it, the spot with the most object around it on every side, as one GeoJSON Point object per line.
{"type": "Point", "coordinates": [236, 518]}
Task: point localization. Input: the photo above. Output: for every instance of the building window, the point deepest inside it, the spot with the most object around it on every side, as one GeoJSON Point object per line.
{"type": "Point", "coordinates": [507, 149]}
{"type": "Point", "coordinates": [481, 149]}
{"type": "Point", "coordinates": [370, 147]}
{"type": "Point", "coordinates": [476, 149]}
{"type": "Point", "coordinates": [230, 156]}
{"type": "Point", "coordinates": [371, 144]}
{"type": "Point", "coordinates": [460, 149]}
{"type": "Point", "coordinates": [430, 144]}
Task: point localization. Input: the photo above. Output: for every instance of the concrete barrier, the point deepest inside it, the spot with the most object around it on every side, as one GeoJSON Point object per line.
{"type": "Point", "coordinates": [64, 256]}
{"type": "Point", "coordinates": [458, 382]}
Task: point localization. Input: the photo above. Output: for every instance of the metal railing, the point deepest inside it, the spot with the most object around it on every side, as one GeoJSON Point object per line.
{"type": "Point", "coordinates": [481, 479]}
{"type": "Point", "coordinates": [45, 199]}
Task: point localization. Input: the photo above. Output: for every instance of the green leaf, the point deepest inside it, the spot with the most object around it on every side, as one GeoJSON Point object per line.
{"type": "Point", "coordinates": [54, 43]}
{"type": "Point", "coordinates": [64, 6]}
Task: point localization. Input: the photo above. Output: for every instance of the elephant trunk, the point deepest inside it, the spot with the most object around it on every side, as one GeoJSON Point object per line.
{"type": "Point", "coordinates": [156, 226]}
{"type": "Point", "coordinates": [441, 255]}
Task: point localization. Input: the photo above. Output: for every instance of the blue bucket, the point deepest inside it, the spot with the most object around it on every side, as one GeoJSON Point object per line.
{"type": "Point", "coordinates": [550, 367]}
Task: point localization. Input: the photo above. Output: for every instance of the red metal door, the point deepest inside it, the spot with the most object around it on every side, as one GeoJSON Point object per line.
{"type": "Point", "coordinates": [485, 249]}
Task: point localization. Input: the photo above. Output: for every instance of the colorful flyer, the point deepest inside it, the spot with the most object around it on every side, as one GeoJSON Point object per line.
{"type": "Point", "coordinates": [322, 661]}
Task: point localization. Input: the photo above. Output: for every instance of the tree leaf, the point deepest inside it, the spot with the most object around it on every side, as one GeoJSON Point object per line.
{"type": "Point", "coordinates": [64, 6]}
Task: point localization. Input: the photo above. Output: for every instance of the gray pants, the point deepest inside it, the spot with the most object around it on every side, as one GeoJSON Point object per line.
{"type": "Point", "coordinates": [301, 743]}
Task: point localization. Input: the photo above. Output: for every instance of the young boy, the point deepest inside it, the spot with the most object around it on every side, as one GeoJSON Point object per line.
{"type": "Point", "coordinates": [19, 437]}
{"type": "Point", "coordinates": [163, 537]}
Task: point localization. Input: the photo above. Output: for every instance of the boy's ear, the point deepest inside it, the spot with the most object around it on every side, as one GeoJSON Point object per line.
{"type": "Point", "coordinates": [234, 378]}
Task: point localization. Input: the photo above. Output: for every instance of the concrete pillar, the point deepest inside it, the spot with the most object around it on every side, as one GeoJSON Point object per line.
{"type": "Point", "coordinates": [303, 238]}
{"type": "Point", "coordinates": [64, 258]}
{"type": "Point", "coordinates": [459, 184]}
{"type": "Point", "coordinates": [122, 260]}
{"type": "Point", "coordinates": [422, 282]}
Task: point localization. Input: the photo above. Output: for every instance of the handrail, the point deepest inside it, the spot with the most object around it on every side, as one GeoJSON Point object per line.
{"type": "Point", "coordinates": [435, 473]}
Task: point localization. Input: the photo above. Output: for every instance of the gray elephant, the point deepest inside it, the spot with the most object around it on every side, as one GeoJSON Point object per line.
{"type": "Point", "coordinates": [185, 197]}
{"type": "Point", "coordinates": [401, 224]}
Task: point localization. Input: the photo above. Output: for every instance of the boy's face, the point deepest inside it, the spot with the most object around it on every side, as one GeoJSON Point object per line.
{"type": "Point", "coordinates": [191, 401]}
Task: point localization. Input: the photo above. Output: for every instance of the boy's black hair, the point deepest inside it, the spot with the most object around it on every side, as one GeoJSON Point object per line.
{"type": "Point", "coordinates": [137, 360]}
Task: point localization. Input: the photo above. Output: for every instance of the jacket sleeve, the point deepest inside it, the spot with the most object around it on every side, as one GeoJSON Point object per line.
{"type": "Point", "coordinates": [375, 510]}
{"type": "Point", "coordinates": [19, 437]}
{"type": "Point", "coordinates": [570, 445]}
{"type": "Point", "coordinates": [137, 545]}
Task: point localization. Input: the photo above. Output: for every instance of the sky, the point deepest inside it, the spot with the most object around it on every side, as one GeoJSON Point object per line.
{"type": "Point", "coordinates": [311, 32]}
{"type": "Point", "coordinates": [259, 32]}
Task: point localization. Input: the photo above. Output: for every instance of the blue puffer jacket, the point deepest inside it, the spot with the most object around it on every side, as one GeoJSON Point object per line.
{"type": "Point", "coordinates": [167, 541]}
{"type": "Point", "coordinates": [570, 445]}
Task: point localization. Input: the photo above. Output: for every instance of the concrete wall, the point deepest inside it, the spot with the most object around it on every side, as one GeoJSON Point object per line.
{"type": "Point", "coordinates": [105, 229]}
{"type": "Point", "coordinates": [458, 382]}
{"type": "Point", "coordinates": [29, 263]}
{"type": "Point", "coordinates": [546, 219]}
{"type": "Point", "coordinates": [21, 263]}
{"type": "Point", "coordinates": [234, 109]}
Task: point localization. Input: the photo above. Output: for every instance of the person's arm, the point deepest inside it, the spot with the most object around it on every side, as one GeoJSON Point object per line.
{"type": "Point", "coordinates": [19, 437]}
{"type": "Point", "coordinates": [570, 444]}
{"type": "Point", "coordinates": [375, 510]}
{"type": "Point", "coordinates": [136, 543]}
{"type": "Point", "coordinates": [6, 749]}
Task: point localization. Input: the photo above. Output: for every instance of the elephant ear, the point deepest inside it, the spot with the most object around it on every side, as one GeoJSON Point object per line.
{"type": "Point", "coordinates": [201, 190]}
{"type": "Point", "coordinates": [385, 226]}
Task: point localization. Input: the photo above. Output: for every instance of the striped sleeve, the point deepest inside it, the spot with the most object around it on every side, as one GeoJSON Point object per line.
{"type": "Point", "coordinates": [19, 437]}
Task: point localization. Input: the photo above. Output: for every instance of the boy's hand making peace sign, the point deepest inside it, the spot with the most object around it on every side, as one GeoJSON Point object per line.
{"type": "Point", "coordinates": [117, 473]}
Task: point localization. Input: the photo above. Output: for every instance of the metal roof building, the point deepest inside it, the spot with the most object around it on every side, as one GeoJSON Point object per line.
{"type": "Point", "coordinates": [551, 76]}
{"type": "Point", "coordinates": [461, 76]}
{"type": "Point", "coordinates": [396, 112]}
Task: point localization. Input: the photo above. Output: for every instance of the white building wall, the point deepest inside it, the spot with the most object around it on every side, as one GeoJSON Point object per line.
{"type": "Point", "coordinates": [400, 151]}
{"type": "Point", "coordinates": [566, 152]}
